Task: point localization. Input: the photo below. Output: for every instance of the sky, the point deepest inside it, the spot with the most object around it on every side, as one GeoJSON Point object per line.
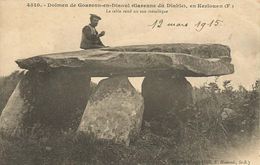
{"type": "Point", "coordinates": [29, 31]}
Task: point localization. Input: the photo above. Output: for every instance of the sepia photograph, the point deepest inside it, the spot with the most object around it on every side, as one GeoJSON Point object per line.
{"type": "Point", "coordinates": [140, 82]}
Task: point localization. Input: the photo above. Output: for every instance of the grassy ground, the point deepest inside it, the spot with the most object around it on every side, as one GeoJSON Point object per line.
{"type": "Point", "coordinates": [220, 120]}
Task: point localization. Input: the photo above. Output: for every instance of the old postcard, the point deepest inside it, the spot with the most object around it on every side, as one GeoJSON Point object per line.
{"type": "Point", "coordinates": [130, 82]}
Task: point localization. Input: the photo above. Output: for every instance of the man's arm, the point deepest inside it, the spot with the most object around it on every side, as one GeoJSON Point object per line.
{"type": "Point", "coordinates": [101, 34]}
{"type": "Point", "coordinates": [100, 42]}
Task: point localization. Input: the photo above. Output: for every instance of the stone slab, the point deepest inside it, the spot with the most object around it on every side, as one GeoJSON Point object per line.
{"type": "Point", "coordinates": [188, 60]}
{"type": "Point", "coordinates": [198, 50]}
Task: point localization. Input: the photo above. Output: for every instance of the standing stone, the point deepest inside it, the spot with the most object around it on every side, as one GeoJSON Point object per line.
{"type": "Point", "coordinates": [114, 112]}
{"type": "Point", "coordinates": [165, 94]}
{"type": "Point", "coordinates": [11, 119]}
{"type": "Point", "coordinates": [52, 100]}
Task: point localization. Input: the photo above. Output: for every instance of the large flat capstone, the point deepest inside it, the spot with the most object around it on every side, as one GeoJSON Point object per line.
{"type": "Point", "coordinates": [191, 60]}
{"type": "Point", "coordinates": [114, 112]}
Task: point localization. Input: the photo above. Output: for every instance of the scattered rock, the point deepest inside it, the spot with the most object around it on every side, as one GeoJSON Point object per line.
{"type": "Point", "coordinates": [228, 113]}
{"type": "Point", "coordinates": [48, 148]}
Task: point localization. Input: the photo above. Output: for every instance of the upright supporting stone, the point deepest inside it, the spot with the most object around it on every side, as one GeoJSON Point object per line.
{"type": "Point", "coordinates": [53, 100]}
{"type": "Point", "coordinates": [114, 112]}
{"type": "Point", "coordinates": [165, 94]}
{"type": "Point", "coordinates": [11, 119]}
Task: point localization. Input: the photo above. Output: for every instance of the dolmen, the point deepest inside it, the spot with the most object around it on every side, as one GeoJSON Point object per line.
{"type": "Point", "coordinates": [55, 92]}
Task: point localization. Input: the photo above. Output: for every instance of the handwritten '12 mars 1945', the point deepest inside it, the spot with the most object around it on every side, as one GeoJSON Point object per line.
{"type": "Point", "coordinates": [198, 26]}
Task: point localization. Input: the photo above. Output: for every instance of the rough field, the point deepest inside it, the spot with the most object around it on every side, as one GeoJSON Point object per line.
{"type": "Point", "coordinates": [221, 120]}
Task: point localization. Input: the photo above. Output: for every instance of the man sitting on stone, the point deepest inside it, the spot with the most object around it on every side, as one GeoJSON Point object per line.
{"type": "Point", "coordinates": [90, 36]}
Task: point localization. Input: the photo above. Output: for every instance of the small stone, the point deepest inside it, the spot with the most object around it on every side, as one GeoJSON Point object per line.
{"type": "Point", "coordinates": [227, 113]}
{"type": "Point", "coordinates": [48, 148]}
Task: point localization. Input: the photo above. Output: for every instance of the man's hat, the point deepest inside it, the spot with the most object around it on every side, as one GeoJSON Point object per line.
{"type": "Point", "coordinates": [95, 16]}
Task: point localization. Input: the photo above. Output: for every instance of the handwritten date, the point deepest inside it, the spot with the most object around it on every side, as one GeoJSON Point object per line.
{"type": "Point", "coordinates": [198, 26]}
{"type": "Point", "coordinates": [201, 25]}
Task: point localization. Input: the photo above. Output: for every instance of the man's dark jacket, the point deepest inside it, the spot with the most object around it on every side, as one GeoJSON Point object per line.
{"type": "Point", "coordinates": [90, 38]}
